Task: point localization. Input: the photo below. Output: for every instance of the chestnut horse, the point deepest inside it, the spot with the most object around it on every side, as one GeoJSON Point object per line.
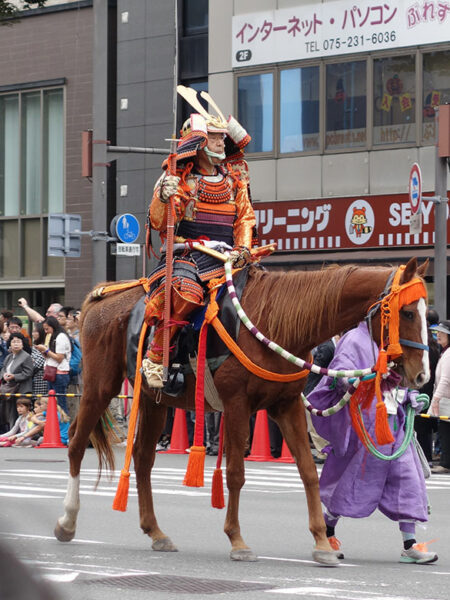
{"type": "Point", "coordinates": [296, 309]}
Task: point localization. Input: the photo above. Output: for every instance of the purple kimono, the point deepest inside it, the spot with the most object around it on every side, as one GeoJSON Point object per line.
{"type": "Point", "coordinates": [354, 482]}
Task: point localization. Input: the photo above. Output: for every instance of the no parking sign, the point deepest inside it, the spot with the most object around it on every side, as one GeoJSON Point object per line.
{"type": "Point", "coordinates": [415, 199]}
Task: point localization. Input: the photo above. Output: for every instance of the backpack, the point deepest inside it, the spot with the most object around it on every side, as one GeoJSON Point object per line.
{"type": "Point", "coordinates": [75, 359]}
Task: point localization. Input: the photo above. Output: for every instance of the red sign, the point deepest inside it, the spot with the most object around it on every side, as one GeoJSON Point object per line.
{"type": "Point", "coordinates": [342, 223]}
{"type": "Point", "coordinates": [415, 188]}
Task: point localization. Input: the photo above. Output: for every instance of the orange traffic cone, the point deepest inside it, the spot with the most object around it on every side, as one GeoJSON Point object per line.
{"type": "Point", "coordinates": [286, 456]}
{"type": "Point", "coordinates": [260, 450]}
{"type": "Point", "coordinates": [52, 436]}
{"type": "Point", "coordinates": [179, 439]}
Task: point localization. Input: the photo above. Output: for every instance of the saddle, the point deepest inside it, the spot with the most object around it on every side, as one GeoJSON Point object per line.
{"type": "Point", "coordinates": [187, 341]}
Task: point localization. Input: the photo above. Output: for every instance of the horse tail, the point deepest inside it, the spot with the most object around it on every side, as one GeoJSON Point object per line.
{"type": "Point", "coordinates": [101, 441]}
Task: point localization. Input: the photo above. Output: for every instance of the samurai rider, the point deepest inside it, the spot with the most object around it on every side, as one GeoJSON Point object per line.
{"type": "Point", "coordinates": [210, 196]}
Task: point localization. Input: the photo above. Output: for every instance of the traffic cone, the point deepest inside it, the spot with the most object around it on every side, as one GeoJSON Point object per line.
{"type": "Point", "coordinates": [260, 450]}
{"type": "Point", "coordinates": [286, 456]}
{"type": "Point", "coordinates": [52, 436]}
{"type": "Point", "coordinates": [179, 439]}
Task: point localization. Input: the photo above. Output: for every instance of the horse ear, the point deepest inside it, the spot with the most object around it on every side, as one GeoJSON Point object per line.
{"type": "Point", "coordinates": [422, 270]}
{"type": "Point", "coordinates": [410, 270]}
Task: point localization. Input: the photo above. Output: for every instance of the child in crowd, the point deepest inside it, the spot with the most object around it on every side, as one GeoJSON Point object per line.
{"type": "Point", "coordinates": [40, 408]}
{"type": "Point", "coordinates": [21, 426]}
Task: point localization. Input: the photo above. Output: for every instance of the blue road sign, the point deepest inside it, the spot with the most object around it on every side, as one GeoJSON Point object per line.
{"type": "Point", "coordinates": [127, 228]}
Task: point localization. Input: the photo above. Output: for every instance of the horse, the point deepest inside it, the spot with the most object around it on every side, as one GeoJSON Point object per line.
{"type": "Point", "coordinates": [298, 310]}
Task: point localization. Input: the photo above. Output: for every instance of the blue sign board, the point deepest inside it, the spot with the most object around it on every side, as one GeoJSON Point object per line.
{"type": "Point", "coordinates": [127, 228]}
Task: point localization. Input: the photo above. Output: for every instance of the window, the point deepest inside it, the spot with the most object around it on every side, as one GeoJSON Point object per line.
{"type": "Point", "coordinates": [334, 105]}
{"type": "Point", "coordinates": [9, 249]}
{"type": "Point", "coordinates": [299, 109]}
{"type": "Point", "coordinates": [9, 155]}
{"type": "Point", "coordinates": [436, 90]}
{"type": "Point", "coordinates": [255, 110]}
{"type": "Point", "coordinates": [394, 82]}
{"type": "Point", "coordinates": [186, 108]}
{"type": "Point", "coordinates": [195, 17]}
{"type": "Point", "coordinates": [32, 152]}
{"type": "Point", "coordinates": [31, 180]}
{"type": "Point", "coordinates": [346, 105]}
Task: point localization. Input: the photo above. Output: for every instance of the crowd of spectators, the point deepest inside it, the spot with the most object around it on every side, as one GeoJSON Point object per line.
{"type": "Point", "coordinates": [31, 366]}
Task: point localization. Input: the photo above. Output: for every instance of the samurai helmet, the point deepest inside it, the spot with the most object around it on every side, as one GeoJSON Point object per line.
{"type": "Point", "coordinates": [194, 131]}
{"type": "Point", "coordinates": [214, 123]}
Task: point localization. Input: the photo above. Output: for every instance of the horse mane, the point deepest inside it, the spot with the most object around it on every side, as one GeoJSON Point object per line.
{"type": "Point", "coordinates": [291, 306]}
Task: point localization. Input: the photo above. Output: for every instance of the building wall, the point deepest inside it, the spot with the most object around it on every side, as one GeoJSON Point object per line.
{"type": "Point", "coordinates": [145, 55]}
{"type": "Point", "coordinates": [48, 46]}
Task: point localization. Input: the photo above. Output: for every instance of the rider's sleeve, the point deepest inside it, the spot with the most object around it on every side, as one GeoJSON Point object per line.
{"type": "Point", "coordinates": [245, 219]}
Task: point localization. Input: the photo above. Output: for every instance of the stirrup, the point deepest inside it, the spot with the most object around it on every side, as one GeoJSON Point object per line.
{"type": "Point", "coordinates": [153, 373]}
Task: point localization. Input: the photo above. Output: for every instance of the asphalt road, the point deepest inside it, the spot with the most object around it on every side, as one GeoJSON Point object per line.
{"type": "Point", "coordinates": [110, 558]}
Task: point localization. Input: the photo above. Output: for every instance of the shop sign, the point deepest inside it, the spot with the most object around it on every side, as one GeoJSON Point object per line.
{"type": "Point", "coordinates": [336, 28]}
{"type": "Point", "coordinates": [343, 223]}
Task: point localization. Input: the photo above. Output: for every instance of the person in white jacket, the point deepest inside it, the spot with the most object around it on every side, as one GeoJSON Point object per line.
{"type": "Point", "coordinates": [440, 403]}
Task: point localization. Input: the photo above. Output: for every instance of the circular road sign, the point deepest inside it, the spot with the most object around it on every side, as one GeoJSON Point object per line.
{"type": "Point", "coordinates": [126, 228]}
{"type": "Point", "coordinates": [415, 188]}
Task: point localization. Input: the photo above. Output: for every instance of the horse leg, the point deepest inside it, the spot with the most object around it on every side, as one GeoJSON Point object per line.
{"type": "Point", "coordinates": [88, 415]}
{"type": "Point", "coordinates": [151, 424]}
{"type": "Point", "coordinates": [236, 435]}
{"type": "Point", "coordinates": [292, 422]}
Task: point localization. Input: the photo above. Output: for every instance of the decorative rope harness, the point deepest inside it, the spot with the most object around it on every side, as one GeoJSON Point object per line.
{"type": "Point", "coordinates": [390, 305]}
{"type": "Point", "coordinates": [394, 297]}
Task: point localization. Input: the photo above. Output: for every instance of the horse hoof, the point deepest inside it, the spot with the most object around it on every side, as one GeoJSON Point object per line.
{"type": "Point", "coordinates": [63, 535]}
{"type": "Point", "coordinates": [244, 555]}
{"type": "Point", "coordinates": [164, 545]}
{"type": "Point", "coordinates": [325, 557]}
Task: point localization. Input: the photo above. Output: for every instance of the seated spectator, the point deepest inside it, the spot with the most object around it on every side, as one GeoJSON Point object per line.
{"type": "Point", "coordinates": [38, 421]}
{"type": "Point", "coordinates": [52, 310]}
{"type": "Point", "coordinates": [20, 428]}
{"type": "Point", "coordinates": [16, 378]}
{"type": "Point", "coordinates": [40, 417]}
{"type": "Point", "coordinates": [40, 386]}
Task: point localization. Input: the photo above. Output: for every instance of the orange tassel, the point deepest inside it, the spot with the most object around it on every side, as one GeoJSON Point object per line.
{"type": "Point", "coordinates": [381, 366]}
{"type": "Point", "coordinates": [382, 429]}
{"type": "Point", "coordinates": [121, 498]}
{"type": "Point", "coordinates": [196, 467]}
{"type": "Point", "coordinates": [217, 497]}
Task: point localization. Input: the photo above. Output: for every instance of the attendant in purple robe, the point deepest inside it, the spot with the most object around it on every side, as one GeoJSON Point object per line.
{"type": "Point", "coordinates": [353, 482]}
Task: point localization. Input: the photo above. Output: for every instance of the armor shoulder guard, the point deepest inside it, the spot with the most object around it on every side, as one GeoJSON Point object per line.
{"type": "Point", "coordinates": [192, 183]}
{"type": "Point", "coordinates": [240, 168]}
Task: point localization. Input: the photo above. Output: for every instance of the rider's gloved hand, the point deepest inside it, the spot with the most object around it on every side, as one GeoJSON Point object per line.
{"type": "Point", "coordinates": [420, 402]}
{"type": "Point", "coordinates": [169, 187]}
{"type": "Point", "coordinates": [240, 256]}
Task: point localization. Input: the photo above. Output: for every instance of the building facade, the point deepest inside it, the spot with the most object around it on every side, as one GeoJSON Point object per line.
{"type": "Point", "coordinates": [340, 101]}
{"type": "Point", "coordinates": [45, 103]}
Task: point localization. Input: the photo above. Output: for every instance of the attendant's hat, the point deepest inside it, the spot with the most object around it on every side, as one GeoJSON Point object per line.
{"type": "Point", "coordinates": [443, 327]}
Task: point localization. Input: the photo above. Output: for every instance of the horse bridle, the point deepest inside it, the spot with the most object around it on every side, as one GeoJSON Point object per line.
{"type": "Point", "coordinates": [373, 311]}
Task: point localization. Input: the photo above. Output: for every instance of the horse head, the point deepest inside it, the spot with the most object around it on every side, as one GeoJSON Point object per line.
{"type": "Point", "coordinates": [412, 361]}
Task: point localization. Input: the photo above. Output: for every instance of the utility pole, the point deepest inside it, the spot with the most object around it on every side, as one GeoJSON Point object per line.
{"type": "Point", "coordinates": [440, 212]}
{"type": "Point", "coordinates": [100, 128]}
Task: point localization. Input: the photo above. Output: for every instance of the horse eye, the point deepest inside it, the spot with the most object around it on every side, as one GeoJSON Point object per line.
{"type": "Point", "coordinates": [408, 314]}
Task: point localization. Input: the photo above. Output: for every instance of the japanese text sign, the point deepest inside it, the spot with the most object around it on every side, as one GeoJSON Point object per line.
{"type": "Point", "coordinates": [342, 223]}
{"type": "Point", "coordinates": [335, 28]}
